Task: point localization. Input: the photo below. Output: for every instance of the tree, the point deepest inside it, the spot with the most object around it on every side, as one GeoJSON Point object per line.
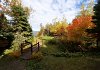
{"type": "Point", "coordinates": [96, 30]}
{"type": "Point", "coordinates": [47, 29]}
{"type": "Point", "coordinates": [59, 28]}
{"type": "Point", "coordinates": [21, 28]}
{"type": "Point", "coordinates": [6, 35]}
{"type": "Point", "coordinates": [41, 32]}
{"type": "Point", "coordinates": [77, 30]}
{"type": "Point", "coordinates": [90, 7]}
{"type": "Point", "coordinates": [87, 10]}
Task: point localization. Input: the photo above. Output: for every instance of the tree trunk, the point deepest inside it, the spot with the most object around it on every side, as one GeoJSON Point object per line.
{"type": "Point", "coordinates": [98, 44]}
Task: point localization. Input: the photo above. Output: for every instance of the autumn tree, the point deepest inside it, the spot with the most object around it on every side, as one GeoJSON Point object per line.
{"type": "Point", "coordinates": [59, 28]}
{"type": "Point", "coordinates": [90, 7]}
{"type": "Point", "coordinates": [86, 9]}
{"type": "Point", "coordinates": [77, 29]}
{"type": "Point", "coordinates": [82, 22]}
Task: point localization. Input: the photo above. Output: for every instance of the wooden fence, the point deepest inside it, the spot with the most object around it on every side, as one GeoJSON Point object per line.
{"type": "Point", "coordinates": [32, 47]}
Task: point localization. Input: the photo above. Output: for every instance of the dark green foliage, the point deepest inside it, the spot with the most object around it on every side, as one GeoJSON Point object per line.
{"type": "Point", "coordinates": [69, 46]}
{"type": "Point", "coordinates": [6, 35]}
{"type": "Point", "coordinates": [67, 54]}
{"type": "Point", "coordinates": [65, 46]}
{"type": "Point", "coordinates": [34, 65]}
{"type": "Point", "coordinates": [96, 20]}
{"type": "Point", "coordinates": [53, 41]}
{"type": "Point", "coordinates": [20, 19]}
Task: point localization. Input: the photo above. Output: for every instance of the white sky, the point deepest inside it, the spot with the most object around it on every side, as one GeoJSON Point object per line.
{"type": "Point", "coordinates": [46, 10]}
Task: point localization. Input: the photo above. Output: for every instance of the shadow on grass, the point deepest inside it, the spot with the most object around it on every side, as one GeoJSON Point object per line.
{"type": "Point", "coordinates": [11, 63]}
{"type": "Point", "coordinates": [53, 59]}
{"type": "Point", "coordinates": [62, 63]}
{"type": "Point", "coordinates": [57, 60]}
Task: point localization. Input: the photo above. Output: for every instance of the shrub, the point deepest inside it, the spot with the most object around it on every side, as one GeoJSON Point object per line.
{"type": "Point", "coordinates": [37, 56]}
{"type": "Point", "coordinates": [53, 41]}
{"type": "Point", "coordinates": [69, 46]}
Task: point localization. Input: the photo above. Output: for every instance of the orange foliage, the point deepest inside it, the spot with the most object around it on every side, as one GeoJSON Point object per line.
{"type": "Point", "coordinates": [76, 31]}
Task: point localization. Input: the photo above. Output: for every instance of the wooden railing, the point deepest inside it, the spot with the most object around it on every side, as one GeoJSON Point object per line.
{"type": "Point", "coordinates": [32, 47]}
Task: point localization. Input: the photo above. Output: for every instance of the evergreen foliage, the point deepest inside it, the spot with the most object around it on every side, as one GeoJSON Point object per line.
{"type": "Point", "coordinates": [6, 35]}
{"type": "Point", "coordinates": [21, 28]}
{"type": "Point", "coordinates": [96, 20]}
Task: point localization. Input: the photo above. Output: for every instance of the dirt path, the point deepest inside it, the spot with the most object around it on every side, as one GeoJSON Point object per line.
{"type": "Point", "coordinates": [28, 52]}
{"type": "Point", "coordinates": [12, 63]}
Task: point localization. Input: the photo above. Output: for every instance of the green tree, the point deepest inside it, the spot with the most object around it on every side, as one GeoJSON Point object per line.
{"type": "Point", "coordinates": [6, 36]}
{"type": "Point", "coordinates": [96, 20]}
{"type": "Point", "coordinates": [21, 28]}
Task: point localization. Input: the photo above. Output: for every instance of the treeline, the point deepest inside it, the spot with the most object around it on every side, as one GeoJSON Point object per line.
{"type": "Point", "coordinates": [78, 35]}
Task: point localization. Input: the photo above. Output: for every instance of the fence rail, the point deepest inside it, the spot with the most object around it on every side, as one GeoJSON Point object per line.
{"type": "Point", "coordinates": [32, 47]}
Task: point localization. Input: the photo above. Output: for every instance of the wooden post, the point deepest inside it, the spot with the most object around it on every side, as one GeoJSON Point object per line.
{"type": "Point", "coordinates": [38, 46]}
{"type": "Point", "coordinates": [21, 49]}
{"type": "Point", "coordinates": [36, 40]}
{"type": "Point", "coordinates": [31, 48]}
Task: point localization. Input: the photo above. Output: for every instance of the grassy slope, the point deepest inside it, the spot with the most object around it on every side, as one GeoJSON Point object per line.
{"type": "Point", "coordinates": [50, 62]}
{"type": "Point", "coordinates": [62, 63]}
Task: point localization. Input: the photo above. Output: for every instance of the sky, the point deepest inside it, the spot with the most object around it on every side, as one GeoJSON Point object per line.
{"type": "Point", "coordinates": [45, 11]}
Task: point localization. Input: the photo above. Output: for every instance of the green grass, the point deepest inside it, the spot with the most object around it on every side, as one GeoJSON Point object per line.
{"type": "Point", "coordinates": [49, 49]}
{"type": "Point", "coordinates": [47, 37]}
{"type": "Point", "coordinates": [53, 60]}
{"type": "Point", "coordinates": [74, 61]}
{"type": "Point", "coordinates": [49, 62]}
{"type": "Point", "coordinates": [62, 63]}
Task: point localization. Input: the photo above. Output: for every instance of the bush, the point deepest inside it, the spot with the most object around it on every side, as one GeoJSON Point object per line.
{"type": "Point", "coordinates": [69, 46]}
{"type": "Point", "coordinates": [53, 41]}
{"type": "Point", "coordinates": [37, 56]}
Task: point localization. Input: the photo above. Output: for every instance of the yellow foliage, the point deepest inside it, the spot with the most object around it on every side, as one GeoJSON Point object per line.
{"type": "Point", "coordinates": [59, 27]}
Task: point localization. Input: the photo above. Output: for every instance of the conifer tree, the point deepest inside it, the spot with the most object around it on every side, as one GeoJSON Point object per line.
{"type": "Point", "coordinates": [21, 28]}
{"type": "Point", "coordinates": [95, 31]}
